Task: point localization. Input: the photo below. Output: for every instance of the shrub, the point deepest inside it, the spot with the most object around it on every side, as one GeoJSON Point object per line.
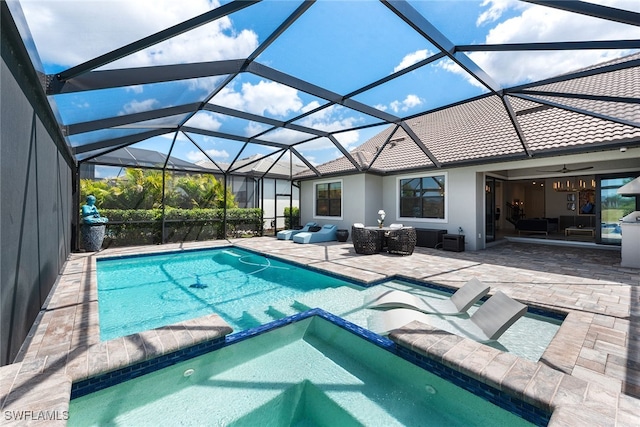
{"type": "Point", "coordinates": [291, 217]}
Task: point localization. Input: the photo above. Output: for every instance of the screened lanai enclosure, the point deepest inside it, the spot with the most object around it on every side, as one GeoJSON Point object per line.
{"type": "Point", "coordinates": [198, 119]}
{"type": "Point", "coordinates": [203, 118]}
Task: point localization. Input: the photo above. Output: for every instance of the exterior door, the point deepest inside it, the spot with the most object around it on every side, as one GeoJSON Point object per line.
{"type": "Point", "coordinates": [613, 206]}
{"type": "Point", "coordinates": [490, 209]}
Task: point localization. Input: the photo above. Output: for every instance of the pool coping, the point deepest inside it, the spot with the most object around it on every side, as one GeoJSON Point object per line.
{"type": "Point", "coordinates": [42, 379]}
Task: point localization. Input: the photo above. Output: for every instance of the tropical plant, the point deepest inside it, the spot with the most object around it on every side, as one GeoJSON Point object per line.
{"type": "Point", "coordinates": [291, 217]}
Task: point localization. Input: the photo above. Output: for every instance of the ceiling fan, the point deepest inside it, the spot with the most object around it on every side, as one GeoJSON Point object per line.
{"type": "Point", "coordinates": [565, 169]}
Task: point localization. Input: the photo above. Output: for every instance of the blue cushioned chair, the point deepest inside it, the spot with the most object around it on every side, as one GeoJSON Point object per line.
{"type": "Point", "coordinates": [288, 234]}
{"type": "Point", "coordinates": [326, 234]}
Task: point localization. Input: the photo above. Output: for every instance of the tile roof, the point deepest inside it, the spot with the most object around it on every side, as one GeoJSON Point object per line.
{"type": "Point", "coordinates": [481, 129]}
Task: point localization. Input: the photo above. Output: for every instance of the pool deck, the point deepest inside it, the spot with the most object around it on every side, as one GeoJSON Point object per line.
{"type": "Point", "coordinates": [589, 375]}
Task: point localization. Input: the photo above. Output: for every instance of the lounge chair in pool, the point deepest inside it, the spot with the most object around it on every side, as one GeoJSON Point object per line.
{"type": "Point", "coordinates": [326, 234]}
{"type": "Point", "coordinates": [488, 323]}
{"type": "Point", "coordinates": [456, 304]}
{"type": "Point", "coordinates": [288, 234]}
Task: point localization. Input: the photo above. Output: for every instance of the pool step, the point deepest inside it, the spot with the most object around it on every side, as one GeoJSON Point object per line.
{"type": "Point", "coordinates": [275, 311]}
{"type": "Point", "coordinates": [334, 300]}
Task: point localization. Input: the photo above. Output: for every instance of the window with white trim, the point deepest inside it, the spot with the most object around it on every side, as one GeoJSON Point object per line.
{"type": "Point", "coordinates": [423, 197]}
{"type": "Point", "coordinates": [329, 199]}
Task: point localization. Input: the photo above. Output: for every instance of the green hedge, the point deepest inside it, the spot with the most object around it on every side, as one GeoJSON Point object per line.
{"type": "Point", "coordinates": [291, 218]}
{"type": "Point", "coordinates": [144, 227]}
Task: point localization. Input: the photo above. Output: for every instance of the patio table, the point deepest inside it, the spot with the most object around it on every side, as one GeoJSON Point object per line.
{"type": "Point", "coordinates": [381, 233]}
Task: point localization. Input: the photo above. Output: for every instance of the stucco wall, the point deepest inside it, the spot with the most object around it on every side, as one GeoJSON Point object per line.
{"type": "Point", "coordinates": [365, 194]}
{"type": "Point", "coordinates": [36, 202]}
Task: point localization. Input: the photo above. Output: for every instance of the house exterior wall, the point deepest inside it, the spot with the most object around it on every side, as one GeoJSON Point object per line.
{"type": "Point", "coordinates": [357, 191]}
{"type": "Point", "coordinates": [364, 194]}
{"type": "Point", "coordinates": [36, 204]}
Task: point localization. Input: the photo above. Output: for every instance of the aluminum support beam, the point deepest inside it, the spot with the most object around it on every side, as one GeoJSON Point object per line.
{"type": "Point", "coordinates": [106, 79]}
{"type": "Point", "coordinates": [590, 9]}
{"type": "Point", "coordinates": [586, 45]}
{"type": "Point", "coordinates": [287, 80]}
{"type": "Point", "coordinates": [419, 23]}
{"type": "Point", "coordinates": [156, 38]}
{"type": "Point", "coordinates": [420, 144]}
{"type": "Point", "coordinates": [305, 161]}
{"type": "Point", "coordinates": [577, 75]}
{"type": "Point", "coordinates": [516, 124]}
{"type": "Point", "coordinates": [111, 122]}
{"type": "Point", "coordinates": [232, 137]}
{"type": "Point", "coordinates": [605, 98]}
{"type": "Point", "coordinates": [577, 110]}
{"type": "Point", "coordinates": [118, 142]}
{"type": "Point", "coordinates": [203, 152]}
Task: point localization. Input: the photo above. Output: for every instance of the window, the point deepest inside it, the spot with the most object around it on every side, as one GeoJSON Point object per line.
{"type": "Point", "coordinates": [422, 197]}
{"type": "Point", "coordinates": [329, 199]}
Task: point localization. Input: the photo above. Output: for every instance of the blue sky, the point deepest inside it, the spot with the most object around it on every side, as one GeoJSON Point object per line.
{"type": "Point", "coordinates": [339, 45]}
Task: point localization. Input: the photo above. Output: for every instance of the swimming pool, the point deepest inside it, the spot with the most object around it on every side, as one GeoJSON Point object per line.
{"type": "Point", "coordinates": [248, 290]}
{"type": "Point", "coordinates": [145, 292]}
{"type": "Point", "coordinates": [311, 372]}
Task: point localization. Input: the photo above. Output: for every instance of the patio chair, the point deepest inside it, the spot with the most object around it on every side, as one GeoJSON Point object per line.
{"type": "Point", "coordinates": [456, 304]}
{"type": "Point", "coordinates": [288, 234]}
{"type": "Point", "coordinates": [365, 241]}
{"type": "Point", "coordinates": [326, 234]}
{"type": "Point", "coordinates": [401, 241]}
{"type": "Point", "coordinates": [488, 323]}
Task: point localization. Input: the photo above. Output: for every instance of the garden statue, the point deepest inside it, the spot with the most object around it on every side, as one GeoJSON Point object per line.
{"type": "Point", "coordinates": [93, 226]}
{"type": "Point", "coordinates": [90, 214]}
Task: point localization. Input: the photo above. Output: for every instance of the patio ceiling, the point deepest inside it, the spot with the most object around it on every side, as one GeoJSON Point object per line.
{"type": "Point", "coordinates": [332, 84]}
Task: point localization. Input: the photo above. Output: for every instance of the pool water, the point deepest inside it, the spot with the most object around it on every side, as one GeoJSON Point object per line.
{"type": "Point", "coordinates": [311, 372]}
{"type": "Point", "coordinates": [140, 293]}
{"type": "Point", "coordinates": [248, 290]}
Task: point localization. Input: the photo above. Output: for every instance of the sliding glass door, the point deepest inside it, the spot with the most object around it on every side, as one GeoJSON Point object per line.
{"type": "Point", "coordinates": [613, 207]}
{"type": "Point", "coordinates": [491, 215]}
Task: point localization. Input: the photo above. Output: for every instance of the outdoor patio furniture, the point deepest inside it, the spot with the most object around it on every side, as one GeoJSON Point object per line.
{"type": "Point", "coordinates": [365, 240]}
{"type": "Point", "coordinates": [326, 234]}
{"type": "Point", "coordinates": [401, 241]}
{"type": "Point", "coordinates": [457, 304]}
{"type": "Point", "coordinates": [488, 323]}
{"type": "Point", "coordinates": [288, 234]}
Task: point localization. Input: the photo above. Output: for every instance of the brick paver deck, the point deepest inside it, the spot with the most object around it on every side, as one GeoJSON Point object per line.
{"type": "Point", "coordinates": [592, 365]}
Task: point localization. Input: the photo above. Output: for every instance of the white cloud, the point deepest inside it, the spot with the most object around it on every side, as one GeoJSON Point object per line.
{"type": "Point", "coordinates": [348, 139]}
{"type": "Point", "coordinates": [254, 128]}
{"type": "Point", "coordinates": [264, 97]}
{"type": "Point", "coordinates": [195, 156]}
{"type": "Point", "coordinates": [204, 120]}
{"type": "Point", "coordinates": [310, 106]}
{"type": "Point", "coordinates": [408, 103]}
{"type": "Point", "coordinates": [87, 29]}
{"type": "Point", "coordinates": [543, 24]}
{"type": "Point", "coordinates": [138, 106]}
{"type": "Point", "coordinates": [495, 10]}
{"type": "Point", "coordinates": [412, 58]}
{"type": "Point", "coordinates": [137, 89]}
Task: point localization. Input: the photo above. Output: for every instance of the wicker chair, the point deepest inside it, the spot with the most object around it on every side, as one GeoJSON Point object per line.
{"type": "Point", "coordinates": [365, 242]}
{"type": "Point", "coordinates": [401, 241]}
